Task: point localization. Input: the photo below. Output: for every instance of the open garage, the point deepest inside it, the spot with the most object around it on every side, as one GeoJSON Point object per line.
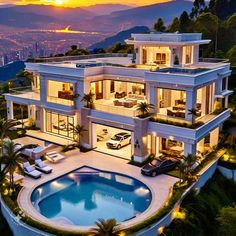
{"type": "Point", "coordinates": [113, 141]}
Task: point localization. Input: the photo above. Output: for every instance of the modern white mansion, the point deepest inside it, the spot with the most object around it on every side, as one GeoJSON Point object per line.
{"type": "Point", "coordinates": [166, 71]}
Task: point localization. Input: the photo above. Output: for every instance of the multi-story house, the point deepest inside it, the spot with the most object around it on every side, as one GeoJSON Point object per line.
{"type": "Point", "coordinates": [189, 94]}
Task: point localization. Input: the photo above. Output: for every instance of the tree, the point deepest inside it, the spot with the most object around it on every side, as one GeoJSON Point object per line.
{"type": "Point", "coordinates": [198, 7]}
{"type": "Point", "coordinates": [159, 25]}
{"type": "Point", "coordinates": [174, 26]}
{"type": "Point", "coordinates": [105, 228]}
{"type": "Point", "coordinates": [6, 129]}
{"type": "Point", "coordinates": [88, 99]}
{"type": "Point", "coordinates": [79, 131]}
{"type": "Point", "coordinates": [75, 51]}
{"type": "Point", "coordinates": [26, 75]}
{"type": "Point", "coordinates": [231, 54]}
{"type": "Point", "coordinates": [227, 219]}
{"type": "Point", "coordinates": [144, 108]}
{"type": "Point", "coordinates": [184, 23]}
{"type": "Point", "coordinates": [12, 158]}
{"type": "Point", "coordinates": [208, 25]}
{"type": "Point", "coordinates": [220, 8]}
{"type": "Point", "coordinates": [186, 166]}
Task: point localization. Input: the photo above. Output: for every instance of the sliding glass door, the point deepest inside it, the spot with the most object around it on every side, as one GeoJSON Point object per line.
{"type": "Point", "coordinates": [60, 124]}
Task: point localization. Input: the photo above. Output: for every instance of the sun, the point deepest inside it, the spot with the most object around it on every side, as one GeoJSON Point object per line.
{"type": "Point", "coordinates": [58, 2]}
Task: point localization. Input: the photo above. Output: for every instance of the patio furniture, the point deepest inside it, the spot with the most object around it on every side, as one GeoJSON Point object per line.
{"type": "Point", "coordinates": [35, 152]}
{"type": "Point", "coordinates": [118, 103]}
{"type": "Point", "coordinates": [128, 104]}
{"type": "Point", "coordinates": [30, 171]}
{"type": "Point", "coordinates": [54, 157]}
{"type": "Point", "coordinates": [41, 166]}
{"type": "Point", "coordinates": [120, 94]}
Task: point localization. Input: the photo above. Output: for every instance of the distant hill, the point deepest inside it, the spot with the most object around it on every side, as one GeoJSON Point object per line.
{"type": "Point", "coordinates": [120, 37]}
{"type": "Point", "coordinates": [90, 18]}
{"type": "Point", "coordinates": [10, 70]}
{"type": "Point", "coordinates": [62, 13]}
{"type": "Point", "coordinates": [13, 18]}
{"type": "Point", "coordinates": [144, 15]}
{"type": "Point", "coordinates": [105, 9]}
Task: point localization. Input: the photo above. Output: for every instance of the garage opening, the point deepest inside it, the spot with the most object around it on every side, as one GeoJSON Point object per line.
{"type": "Point", "coordinates": [113, 141]}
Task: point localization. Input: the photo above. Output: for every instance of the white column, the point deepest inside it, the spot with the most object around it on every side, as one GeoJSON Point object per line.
{"type": "Point", "coordinates": [214, 136]}
{"type": "Point", "coordinates": [106, 89]}
{"type": "Point", "coordinates": [10, 111]}
{"type": "Point", "coordinates": [190, 149]}
{"type": "Point", "coordinates": [191, 98]}
{"type": "Point", "coordinates": [140, 55]}
{"type": "Point", "coordinates": [203, 108]}
{"type": "Point", "coordinates": [157, 146]}
{"type": "Point", "coordinates": [196, 54]}
{"type": "Point", "coordinates": [79, 90]}
{"type": "Point", "coordinates": [43, 90]}
{"type": "Point", "coordinates": [42, 120]}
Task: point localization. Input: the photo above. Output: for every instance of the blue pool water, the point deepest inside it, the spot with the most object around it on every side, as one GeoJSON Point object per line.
{"type": "Point", "coordinates": [81, 199]}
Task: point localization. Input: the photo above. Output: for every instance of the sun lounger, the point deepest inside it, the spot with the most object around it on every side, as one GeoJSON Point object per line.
{"type": "Point", "coordinates": [30, 171]}
{"type": "Point", "coordinates": [54, 156]}
{"type": "Point", "coordinates": [41, 166]}
{"type": "Point", "coordinates": [34, 152]}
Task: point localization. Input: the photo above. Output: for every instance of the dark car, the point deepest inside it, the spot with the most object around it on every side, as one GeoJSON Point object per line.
{"type": "Point", "coordinates": [159, 166]}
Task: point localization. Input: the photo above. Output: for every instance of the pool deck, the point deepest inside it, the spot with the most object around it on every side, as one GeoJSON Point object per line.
{"type": "Point", "coordinates": [159, 185]}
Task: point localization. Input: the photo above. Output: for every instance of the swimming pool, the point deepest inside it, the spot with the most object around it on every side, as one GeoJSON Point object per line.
{"type": "Point", "coordinates": [85, 195]}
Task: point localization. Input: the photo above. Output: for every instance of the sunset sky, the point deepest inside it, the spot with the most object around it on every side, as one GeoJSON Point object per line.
{"type": "Point", "coordinates": [74, 3]}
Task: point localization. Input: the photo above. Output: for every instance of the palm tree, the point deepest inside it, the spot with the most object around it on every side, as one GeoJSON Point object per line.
{"type": "Point", "coordinates": [27, 75]}
{"type": "Point", "coordinates": [78, 131]}
{"type": "Point", "coordinates": [194, 113]}
{"type": "Point", "coordinates": [144, 108]}
{"type": "Point", "coordinates": [105, 228]}
{"type": "Point", "coordinates": [5, 130]}
{"type": "Point", "coordinates": [88, 99]}
{"type": "Point", "coordinates": [12, 158]}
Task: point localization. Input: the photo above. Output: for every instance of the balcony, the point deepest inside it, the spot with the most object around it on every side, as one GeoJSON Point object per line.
{"type": "Point", "coordinates": [65, 102]}
{"type": "Point", "coordinates": [23, 95]}
{"type": "Point", "coordinates": [118, 110]}
{"type": "Point", "coordinates": [184, 130]}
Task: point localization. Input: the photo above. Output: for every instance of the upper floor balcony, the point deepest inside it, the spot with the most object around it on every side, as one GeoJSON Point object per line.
{"type": "Point", "coordinates": [23, 95]}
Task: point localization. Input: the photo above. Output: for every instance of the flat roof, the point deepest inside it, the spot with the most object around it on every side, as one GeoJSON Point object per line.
{"type": "Point", "coordinates": [167, 38]}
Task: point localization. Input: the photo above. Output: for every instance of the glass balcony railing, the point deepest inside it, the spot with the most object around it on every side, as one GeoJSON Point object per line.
{"type": "Point", "coordinates": [118, 110]}
{"type": "Point", "coordinates": [61, 101]}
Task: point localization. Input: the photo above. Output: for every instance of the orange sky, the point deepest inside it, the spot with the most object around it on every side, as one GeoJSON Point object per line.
{"type": "Point", "coordinates": [74, 3]}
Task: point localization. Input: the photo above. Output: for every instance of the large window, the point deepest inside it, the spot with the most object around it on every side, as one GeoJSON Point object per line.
{"type": "Point", "coordinates": [188, 54]}
{"type": "Point", "coordinates": [160, 58]}
{"type": "Point", "coordinates": [60, 92]}
{"type": "Point", "coordinates": [60, 124]}
{"type": "Point", "coordinates": [171, 102]}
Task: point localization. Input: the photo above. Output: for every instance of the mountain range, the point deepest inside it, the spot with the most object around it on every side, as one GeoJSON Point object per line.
{"type": "Point", "coordinates": [110, 18]}
{"type": "Point", "coordinates": [120, 37]}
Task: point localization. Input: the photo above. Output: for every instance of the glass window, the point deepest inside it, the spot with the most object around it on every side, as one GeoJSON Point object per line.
{"type": "Point", "coordinates": [60, 124]}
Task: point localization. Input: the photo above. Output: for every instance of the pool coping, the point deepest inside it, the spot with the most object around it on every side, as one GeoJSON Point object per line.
{"type": "Point", "coordinates": [27, 206]}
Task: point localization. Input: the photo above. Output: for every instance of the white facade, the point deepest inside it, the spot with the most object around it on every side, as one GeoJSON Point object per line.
{"type": "Point", "coordinates": [167, 73]}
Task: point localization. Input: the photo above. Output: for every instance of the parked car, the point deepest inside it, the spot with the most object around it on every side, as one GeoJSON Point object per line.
{"type": "Point", "coordinates": [157, 166]}
{"type": "Point", "coordinates": [119, 140]}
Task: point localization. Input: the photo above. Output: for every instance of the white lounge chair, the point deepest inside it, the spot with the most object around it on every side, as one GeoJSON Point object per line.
{"type": "Point", "coordinates": [35, 152]}
{"type": "Point", "coordinates": [30, 171]}
{"type": "Point", "coordinates": [41, 166]}
{"type": "Point", "coordinates": [54, 156]}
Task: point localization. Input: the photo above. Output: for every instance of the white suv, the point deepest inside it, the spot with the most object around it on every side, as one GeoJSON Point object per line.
{"type": "Point", "coordinates": [119, 140]}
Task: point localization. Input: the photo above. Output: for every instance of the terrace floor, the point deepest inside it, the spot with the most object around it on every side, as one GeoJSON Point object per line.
{"type": "Point", "coordinates": [159, 186]}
